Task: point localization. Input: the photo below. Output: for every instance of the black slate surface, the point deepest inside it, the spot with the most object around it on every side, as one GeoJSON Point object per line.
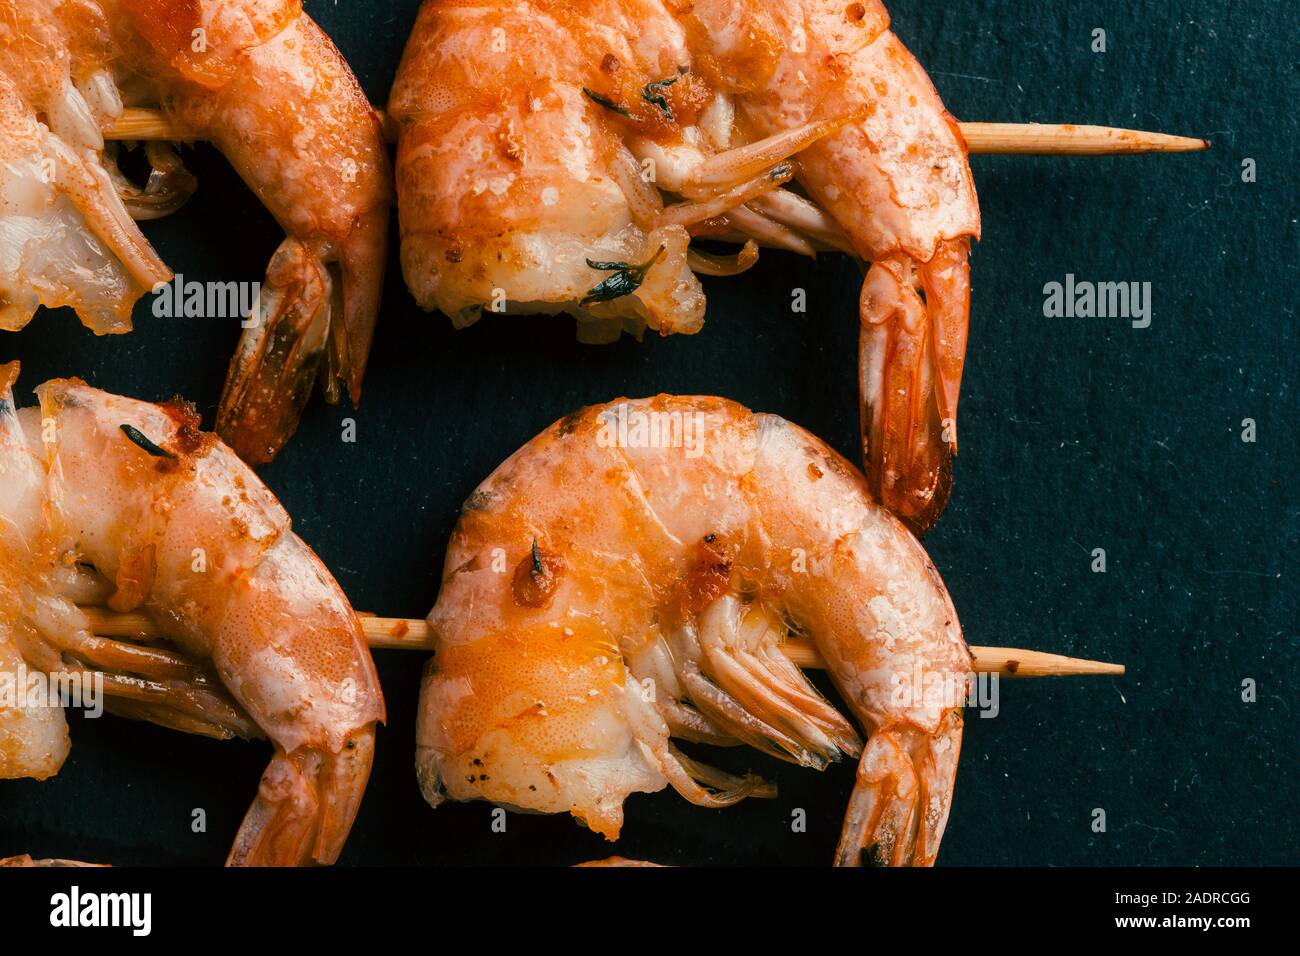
{"type": "Point", "coordinates": [1076, 434]}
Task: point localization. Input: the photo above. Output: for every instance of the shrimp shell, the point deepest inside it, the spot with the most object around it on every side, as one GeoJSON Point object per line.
{"type": "Point", "coordinates": [630, 576]}
{"type": "Point", "coordinates": [179, 527]}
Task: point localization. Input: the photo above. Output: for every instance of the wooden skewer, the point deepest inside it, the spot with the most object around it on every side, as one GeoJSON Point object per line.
{"type": "Point", "coordinates": [1045, 139]}
{"type": "Point", "coordinates": [1067, 139]}
{"type": "Point", "coordinates": [415, 635]}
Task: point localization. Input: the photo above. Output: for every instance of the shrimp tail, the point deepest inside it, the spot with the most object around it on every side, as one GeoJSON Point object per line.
{"type": "Point", "coordinates": [902, 796]}
{"type": "Point", "coordinates": [275, 366]}
{"type": "Point", "coordinates": [307, 313]}
{"type": "Point", "coordinates": [361, 260]}
{"type": "Point", "coordinates": [305, 805]}
{"type": "Point", "coordinates": [913, 344]}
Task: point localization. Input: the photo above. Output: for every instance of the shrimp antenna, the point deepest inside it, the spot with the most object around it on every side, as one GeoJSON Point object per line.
{"type": "Point", "coordinates": [1039, 139]}
{"type": "Point", "coordinates": [410, 634]}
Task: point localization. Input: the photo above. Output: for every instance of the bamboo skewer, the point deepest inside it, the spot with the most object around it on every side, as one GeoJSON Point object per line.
{"type": "Point", "coordinates": [1043, 139]}
{"type": "Point", "coordinates": [415, 635]}
{"type": "Point", "coordinates": [1067, 139]}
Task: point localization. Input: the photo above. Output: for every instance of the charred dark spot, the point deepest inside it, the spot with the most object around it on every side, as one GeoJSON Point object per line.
{"type": "Point", "coordinates": [181, 412]}
{"type": "Point", "coordinates": [710, 575]}
{"type": "Point", "coordinates": [536, 577]}
{"type": "Point", "coordinates": [778, 172]}
{"type": "Point", "coordinates": [1013, 666]}
{"type": "Point", "coordinates": [188, 440]}
{"type": "Point", "coordinates": [454, 254]}
{"type": "Point", "coordinates": [477, 501]}
{"type": "Point", "coordinates": [609, 63]}
{"type": "Point", "coordinates": [473, 564]}
{"type": "Point", "coordinates": [874, 855]}
{"type": "Point", "coordinates": [570, 422]}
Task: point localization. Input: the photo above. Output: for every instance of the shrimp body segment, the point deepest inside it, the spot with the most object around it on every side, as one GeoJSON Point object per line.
{"type": "Point", "coordinates": [262, 82]}
{"type": "Point", "coordinates": [607, 594]}
{"type": "Point", "coordinates": [173, 523]}
{"type": "Point", "coordinates": [562, 157]}
{"type": "Point", "coordinates": [33, 739]}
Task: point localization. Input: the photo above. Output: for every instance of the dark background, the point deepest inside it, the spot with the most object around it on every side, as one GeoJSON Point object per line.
{"type": "Point", "coordinates": [1076, 434]}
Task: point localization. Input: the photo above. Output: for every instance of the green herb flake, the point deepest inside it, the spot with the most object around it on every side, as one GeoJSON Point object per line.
{"type": "Point", "coordinates": [608, 104]}
{"type": "Point", "coordinates": [627, 278]}
{"type": "Point", "coordinates": [653, 94]}
{"type": "Point", "coordinates": [537, 561]}
{"type": "Point", "coordinates": [138, 438]}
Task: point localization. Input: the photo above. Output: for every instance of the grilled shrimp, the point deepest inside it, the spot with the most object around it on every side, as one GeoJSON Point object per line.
{"type": "Point", "coordinates": [630, 576]}
{"type": "Point", "coordinates": [560, 157]}
{"type": "Point", "coordinates": [260, 80]}
{"type": "Point", "coordinates": [133, 502]}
